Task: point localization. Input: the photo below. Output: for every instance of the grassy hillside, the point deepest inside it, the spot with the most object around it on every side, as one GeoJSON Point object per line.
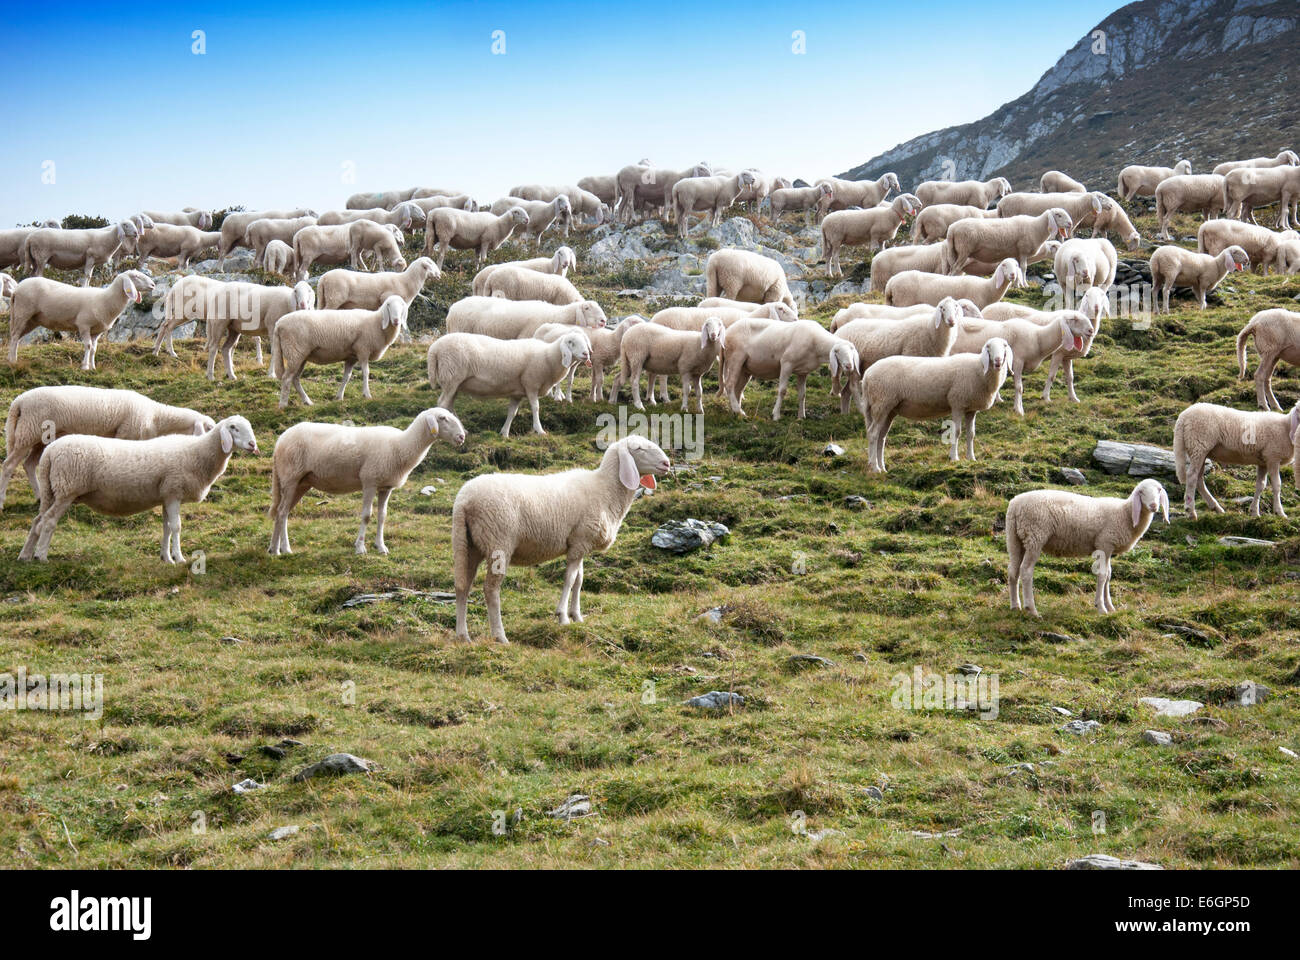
{"type": "Point", "coordinates": [204, 671]}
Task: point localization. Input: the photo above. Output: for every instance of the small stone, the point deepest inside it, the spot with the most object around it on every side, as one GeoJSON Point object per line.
{"type": "Point", "coordinates": [1079, 728]}
{"type": "Point", "coordinates": [1071, 475]}
{"type": "Point", "coordinates": [927, 835]}
{"type": "Point", "coordinates": [283, 833]}
{"type": "Point", "coordinates": [1237, 543]}
{"type": "Point", "coordinates": [875, 793]}
{"type": "Point", "coordinates": [810, 660]}
{"type": "Point", "coordinates": [1102, 861]}
{"type": "Point", "coordinates": [1285, 751]}
{"type": "Point", "coordinates": [970, 669]}
{"type": "Point", "coordinates": [336, 764]}
{"type": "Point", "coordinates": [231, 640]}
{"type": "Point", "coordinates": [1062, 711]}
{"type": "Point", "coordinates": [1171, 708]}
{"type": "Point", "coordinates": [1248, 693]}
{"type": "Point", "coordinates": [716, 700]}
{"type": "Point", "coordinates": [574, 807]}
{"type": "Point", "coordinates": [833, 450]}
{"type": "Point", "coordinates": [855, 502]}
{"type": "Point", "coordinates": [290, 742]}
{"type": "Point", "coordinates": [712, 615]}
{"type": "Point", "coordinates": [1157, 738]}
{"type": "Point", "coordinates": [1185, 631]}
{"type": "Point", "coordinates": [275, 753]}
{"type": "Point", "coordinates": [428, 491]}
{"type": "Point", "coordinates": [247, 786]}
{"type": "Point", "coordinates": [683, 536]}
{"type": "Point", "coordinates": [1058, 637]}
{"type": "Point", "coordinates": [860, 657]}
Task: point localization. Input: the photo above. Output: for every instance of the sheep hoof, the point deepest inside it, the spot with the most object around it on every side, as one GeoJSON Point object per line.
{"type": "Point", "coordinates": [361, 548]}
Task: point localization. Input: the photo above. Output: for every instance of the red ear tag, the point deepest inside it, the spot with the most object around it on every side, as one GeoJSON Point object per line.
{"type": "Point", "coordinates": [648, 481]}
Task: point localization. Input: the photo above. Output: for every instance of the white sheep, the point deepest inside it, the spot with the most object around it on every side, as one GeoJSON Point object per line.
{"type": "Point", "coordinates": [973, 193]}
{"type": "Point", "coordinates": [1139, 181]}
{"type": "Point", "coordinates": [1030, 342]}
{"type": "Point", "coordinates": [347, 243]}
{"type": "Point", "coordinates": [123, 477]}
{"type": "Point", "coordinates": [806, 199]}
{"type": "Point", "coordinates": [926, 388]}
{"type": "Point", "coordinates": [1175, 267]}
{"type": "Point", "coordinates": [1054, 181]}
{"type": "Point", "coordinates": [859, 193]}
{"type": "Point", "coordinates": [872, 228]}
{"type": "Point", "coordinates": [994, 240]}
{"type": "Point", "coordinates": [507, 518]}
{"type": "Point", "coordinates": [1262, 439]}
{"type": "Point", "coordinates": [1251, 187]}
{"type": "Point", "coordinates": [345, 459]}
{"type": "Point", "coordinates": [1261, 244]}
{"type": "Point", "coordinates": [1094, 305]}
{"type": "Point", "coordinates": [199, 219]}
{"type": "Point", "coordinates": [559, 263]}
{"type": "Point", "coordinates": [88, 313]}
{"type": "Point", "coordinates": [643, 187]}
{"type": "Point", "coordinates": [605, 345]}
{"type": "Point", "coordinates": [1277, 338]}
{"type": "Point", "coordinates": [932, 223]}
{"type": "Point", "coordinates": [516, 319]}
{"type": "Point", "coordinates": [582, 202]}
{"type": "Point", "coordinates": [448, 227]}
{"type": "Point", "coordinates": [520, 283]}
{"type": "Point", "coordinates": [11, 242]}
{"type": "Point", "coordinates": [235, 225]}
{"type": "Point", "coordinates": [771, 350]}
{"type": "Point", "coordinates": [1081, 264]}
{"type": "Point", "coordinates": [1095, 210]}
{"type": "Point", "coordinates": [1064, 524]}
{"type": "Point", "coordinates": [912, 287]}
{"type": "Point", "coordinates": [742, 275]}
{"type": "Point", "coordinates": [460, 201]}
{"type": "Point", "coordinates": [518, 369]}
{"type": "Point", "coordinates": [1284, 158]}
{"type": "Point", "coordinates": [278, 258]}
{"type": "Point", "coordinates": [881, 311]}
{"type": "Point", "coordinates": [353, 290]}
{"type": "Point", "coordinates": [350, 337]}
{"type": "Point", "coordinates": [69, 249]}
{"type": "Point", "coordinates": [661, 350]}
{"type": "Point", "coordinates": [1193, 193]}
{"type": "Point", "coordinates": [928, 258]}
{"type": "Point", "coordinates": [406, 215]}
{"type": "Point", "coordinates": [542, 214]}
{"type": "Point", "coordinates": [707, 195]}
{"type": "Point", "coordinates": [929, 332]}
{"type": "Point", "coordinates": [185, 243]}
{"type": "Point", "coordinates": [260, 233]}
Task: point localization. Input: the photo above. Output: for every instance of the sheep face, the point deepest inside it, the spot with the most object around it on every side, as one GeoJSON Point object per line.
{"type": "Point", "coordinates": [947, 312]}
{"type": "Point", "coordinates": [205, 220]}
{"type": "Point", "coordinates": [392, 312]}
{"type": "Point", "coordinates": [1076, 332]}
{"type": "Point", "coordinates": [590, 314]}
{"type": "Point", "coordinates": [969, 308]}
{"type": "Point", "coordinates": [1003, 185]}
{"type": "Point", "coordinates": [304, 297]}
{"type": "Point", "coordinates": [1060, 221]}
{"type": "Point", "coordinates": [445, 425]}
{"type": "Point", "coordinates": [1183, 168]}
{"type": "Point", "coordinates": [575, 348]}
{"type": "Point", "coordinates": [237, 434]}
{"type": "Point", "coordinates": [1289, 158]}
{"type": "Point", "coordinates": [783, 311]}
{"type": "Point", "coordinates": [640, 461]}
{"type": "Point", "coordinates": [712, 332]}
{"type": "Point", "coordinates": [1094, 306]}
{"type": "Point", "coordinates": [1240, 259]}
{"type": "Point", "coordinates": [843, 358]}
{"type": "Point", "coordinates": [565, 259]}
{"type": "Point", "coordinates": [427, 268]}
{"type": "Point", "coordinates": [996, 355]}
{"type": "Point", "coordinates": [1008, 272]}
{"type": "Point", "coordinates": [1150, 497]}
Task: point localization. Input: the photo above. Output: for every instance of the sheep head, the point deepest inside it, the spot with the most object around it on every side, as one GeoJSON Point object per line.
{"type": "Point", "coordinates": [1095, 305]}
{"type": "Point", "coordinates": [575, 348]}
{"type": "Point", "coordinates": [392, 312]}
{"type": "Point", "coordinates": [444, 425]}
{"type": "Point", "coordinates": [843, 358]}
{"type": "Point", "coordinates": [947, 312]}
{"type": "Point", "coordinates": [564, 260]}
{"type": "Point", "coordinates": [996, 355]}
{"type": "Point", "coordinates": [1008, 273]}
{"type": "Point", "coordinates": [1235, 258]}
{"type": "Point", "coordinates": [590, 314]}
{"type": "Point", "coordinates": [1059, 221]}
{"type": "Point", "coordinates": [639, 461]}
{"type": "Point", "coordinates": [1289, 158]}
{"type": "Point", "coordinates": [712, 332]}
{"type": "Point", "coordinates": [304, 297]}
{"type": "Point", "coordinates": [1076, 332]}
{"type": "Point", "coordinates": [236, 433]}
{"type": "Point", "coordinates": [970, 309]}
{"type": "Point", "coordinates": [1183, 168]}
{"type": "Point", "coordinates": [1149, 497]}
{"type": "Point", "coordinates": [427, 267]}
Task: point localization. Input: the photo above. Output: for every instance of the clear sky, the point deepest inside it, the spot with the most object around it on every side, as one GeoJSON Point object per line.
{"type": "Point", "coordinates": [289, 100]}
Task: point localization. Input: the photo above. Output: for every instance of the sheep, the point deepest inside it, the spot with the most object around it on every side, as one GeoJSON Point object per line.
{"type": "Point", "coordinates": [542, 214]}
{"type": "Point", "coordinates": [88, 313]}
{"type": "Point", "coordinates": [1175, 267]}
{"type": "Point", "coordinates": [926, 388]}
{"type": "Point", "coordinates": [1250, 187]}
{"type": "Point", "coordinates": [1262, 244]}
{"type": "Point", "coordinates": [517, 319]}
{"type": "Point", "coordinates": [973, 193]}
{"type": "Point", "coordinates": [69, 249]}
{"type": "Point", "coordinates": [332, 336]}
{"type": "Point", "coordinates": [1264, 440]}
{"type": "Point", "coordinates": [346, 459]}
{"type": "Point", "coordinates": [880, 311]}
{"type": "Point", "coordinates": [520, 283]}
{"type": "Point", "coordinates": [760, 188]}
{"type": "Point", "coordinates": [560, 263]}
{"type": "Point", "coordinates": [1138, 181]}
{"type": "Point", "coordinates": [1054, 181]}
{"type": "Point", "coordinates": [771, 350]}
{"type": "Point", "coordinates": [912, 287]}
{"type": "Point", "coordinates": [581, 201]}
{"type": "Point", "coordinates": [38, 416]}
{"type": "Point", "coordinates": [184, 243]}
{"type": "Point", "coordinates": [1277, 338]}
{"type": "Point", "coordinates": [859, 193]}
{"type": "Point", "coordinates": [199, 219]}
{"type": "Point", "coordinates": [346, 242]}
{"type": "Point", "coordinates": [11, 242]}
{"type": "Point", "coordinates": [7, 286]}
{"type": "Point", "coordinates": [932, 223]}
{"type": "Point", "coordinates": [1095, 209]}
{"type": "Point", "coordinates": [507, 518]}
{"type": "Point", "coordinates": [605, 346]}
{"type": "Point", "coordinates": [405, 216]}
{"type": "Point", "coordinates": [709, 195]}
{"type": "Point", "coordinates": [388, 199]}
{"type": "Point", "coordinates": [278, 258]}
{"type": "Point", "coordinates": [742, 275]}
{"type": "Point", "coordinates": [1094, 305]}
{"type": "Point", "coordinates": [658, 349]}
{"type": "Point", "coordinates": [926, 333]}
{"type": "Point", "coordinates": [518, 369]}
{"type": "Point", "coordinates": [994, 240]}
{"type": "Point", "coordinates": [604, 189]}
{"type": "Point", "coordinates": [806, 199]}
{"type": "Point", "coordinates": [928, 258]}
{"type": "Point", "coordinates": [1080, 264]}
{"type": "Point", "coordinates": [235, 224]}
{"type": "Point", "coordinates": [1064, 524]}
{"type": "Point", "coordinates": [123, 477]}
{"type": "Point", "coordinates": [460, 201]}
{"type": "Point", "coordinates": [873, 228]}
{"type": "Point", "coordinates": [462, 230]}
{"type": "Point", "coordinates": [259, 233]}
{"type": "Point", "coordinates": [1288, 257]}
{"type": "Point", "coordinates": [1030, 342]}
{"type": "Point", "coordinates": [641, 186]}
{"type": "Point", "coordinates": [1285, 158]}
{"type": "Point", "coordinates": [1193, 193]}
{"type": "Point", "coordinates": [351, 290]}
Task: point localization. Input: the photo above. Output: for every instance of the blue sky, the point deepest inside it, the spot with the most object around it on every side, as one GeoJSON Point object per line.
{"type": "Point", "coordinates": [290, 98]}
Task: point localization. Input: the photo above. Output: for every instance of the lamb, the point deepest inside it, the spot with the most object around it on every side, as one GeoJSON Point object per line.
{"type": "Point", "coordinates": [641, 186]}
{"type": "Point", "coordinates": [1064, 524]}
{"type": "Point", "coordinates": [1030, 343]}
{"type": "Point", "coordinates": [1095, 209]}
{"type": "Point", "coordinates": [1264, 440]}
{"type": "Point", "coordinates": [1054, 181]}
{"type": "Point", "coordinates": [926, 388]}
{"type": "Point", "coordinates": [517, 319]}
{"type": "Point", "coordinates": [859, 193]}
{"type": "Point", "coordinates": [506, 518]}
{"type": "Point", "coordinates": [563, 260]}
{"type": "Point", "coordinates": [123, 477]}
{"type": "Point", "coordinates": [994, 240]}
{"type": "Point", "coordinates": [347, 242]}
{"type": "Point", "coordinates": [69, 249]}
{"type": "Point", "coordinates": [658, 349]}
{"type": "Point", "coordinates": [40, 415]}
{"type": "Point", "coordinates": [462, 230]}
{"type": "Point", "coordinates": [926, 333]}
{"type": "Point", "coordinates": [519, 369]}
{"type": "Point", "coordinates": [520, 283]}
{"type": "Point", "coordinates": [235, 225]}
{"type": "Point", "coordinates": [1194, 193]}
{"type": "Point", "coordinates": [710, 195]}
{"type": "Point", "coordinates": [1250, 187]}
{"type": "Point", "coordinates": [1285, 158]}
{"type": "Point", "coordinates": [1261, 244]}
{"type": "Point", "coordinates": [742, 275]}
{"type": "Point", "coordinates": [806, 199]}
{"type": "Point", "coordinates": [351, 290]}
{"type": "Point", "coordinates": [880, 311]}
{"type": "Point", "coordinates": [351, 337]}
{"type": "Point", "coordinates": [973, 193]}
{"type": "Point", "coordinates": [1081, 264]}
{"type": "Point", "coordinates": [278, 258]}
{"type": "Point", "coordinates": [199, 219]}
{"type": "Point", "coordinates": [345, 459]}
{"type": "Point", "coordinates": [1277, 338]}
{"type": "Point", "coordinates": [873, 228]}
{"type": "Point", "coordinates": [1175, 267]}
{"type": "Point", "coordinates": [912, 287]}
{"type": "Point", "coordinates": [405, 216]}
{"type": "Point", "coordinates": [542, 214]}
{"type": "Point", "coordinates": [261, 232]}
{"type": "Point", "coordinates": [770, 350]}
{"type": "Point", "coordinates": [88, 313]}
{"type": "Point", "coordinates": [1138, 181]}
{"type": "Point", "coordinates": [184, 243]}
{"type": "Point", "coordinates": [933, 222]}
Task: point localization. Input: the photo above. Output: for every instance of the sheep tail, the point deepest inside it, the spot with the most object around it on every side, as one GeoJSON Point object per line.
{"type": "Point", "coordinates": [276, 350]}
{"type": "Point", "coordinates": [275, 490]}
{"type": "Point", "coordinates": [1180, 452]}
{"type": "Point", "coordinates": [1247, 332]}
{"type": "Point", "coordinates": [461, 543]}
{"type": "Point", "coordinates": [11, 426]}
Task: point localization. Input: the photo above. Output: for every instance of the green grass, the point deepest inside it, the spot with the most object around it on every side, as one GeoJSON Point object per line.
{"type": "Point", "coordinates": [460, 732]}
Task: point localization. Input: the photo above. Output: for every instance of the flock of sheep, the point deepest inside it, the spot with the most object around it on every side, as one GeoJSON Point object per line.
{"type": "Point", "coordinates": [940, 347]}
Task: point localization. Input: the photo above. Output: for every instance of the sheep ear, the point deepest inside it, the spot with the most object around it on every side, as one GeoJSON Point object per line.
{"type": "Point", "coordinates": [1294, 421]}
{"type": "Point", "coordinates": [984, 359]}
{"type": "Point", "coordinates": [835, 365]}
{"type": "Point", "coordinates": [938, 317]}
{"type": "Point", "coordinates": [704, 336]}
{"type": "Point", "coordinates": [199, 429]}
{"type": "Point", "coordinates": [1135, 502]}
{"type": "Point", "coordinates": [627, 474]}
{"type": "Point", "coordinates": [1097, 203]}
{"type": "Point", "coordinates": [1164, 503]}
{"type": "Point", "coordinates": [227, 439]}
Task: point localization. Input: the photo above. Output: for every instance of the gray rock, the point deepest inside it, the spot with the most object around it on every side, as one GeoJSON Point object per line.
{"type": "Point", "coordinates": [1248, 693]}
{"type": "Point", "coordinates": [283, 833]}
{"type": "Point", "coordinates": [1157, 738]}
{"type": "Point", "coordinates": [1102, 861]}
{"type": "Point", "coordinates": [616, 249]}
{"type": "Point", "coordinates": [1071, 475]}
{"type": "Point", "coordinates": [716, 700]}
{"type": "Point", "coordinates": [1237, 543]}
{"type": "Point", "coordinates": [683, 536]}
{"type": "Point", "coordinates": [1058, 637]}
{"type": "Point", "coordinates": [401, 592]}
{"type": "Point", "coordinates": [247, 786]}
{"type": "Point", "coordinates": [1061, 711]}
{"type": "Point", "coordinates": [855, 502]}
{"type": "Point", "coordinates": [970, 669]}
{"type": "Point", "coordinates": [1171, 708]}
{"type": "Point", "coordinates": [1080, 728]}
{"type": "Point", "coordinates": [833, 450]}
{"type": "Point", "coordinates": [735, 232]}
{"type": "Point", "coordinates": [336, 764]}
{"type": "Point", "coordinates": [1185, 631]}
{"type": "Point", "coordinates": [873, 793]}
{"type": "Point", "coordinates": [810, 660]}
{"type": "Point", "coordinates": [575, 807]}
{"type": "Point", "coordinates": [713, 615]}
{"type": "Point", "coordinates": [1134, 459]}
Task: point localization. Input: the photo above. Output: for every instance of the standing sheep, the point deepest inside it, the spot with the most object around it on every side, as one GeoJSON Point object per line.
{"type": "Point", "coordinates": [352, 290]}
{"type": "Point", "coordinates": [199, 219]}
{"type": "Point", "coordinates": [912, 287]}
{"type": "Point", "coordinates": [926, 333]}
{"type": "Point", "coordinates": [278, 258]}
{"type": "Point", "coordinates": [88, 313]}
{"type": "Point", "coordinates": [1250, 187]}
{"type": "Point", "coordinates": [771, 350]}
{"type": "Point", "coordinates": [1137, 181]}
{"type": "Point", "coordinates": [1264, 440]}
{"type": "Point", "coordinates": [1085, 209]}
{"type": "Point", "coordinates": [1194, 193]}
{"type": "Point", "coordinates": [542, 214]}
{"type": "Point", "coordinates": [932, 223]}
{"type": "Point", "coordinates": [1277, 338]}
{"type": "Point", "coordinates": [973, 193]}
{"type": "Point", "coordinates": [873, 228]}
{"type": "Point", "coordinates": [709, 195]}
{"type": "Point", "coordinates": [641, 186]}
{"type": "Point", "coordinates": [351, 337]}
{"type": "Point", "coordinates": [462, 230]}
{"type": "Point", "coordinates": [1030, 342]}
{"type": "Point", "coordinates": [69, 249]}
{"type": "Point", "coordinates": [406, 216]}
{"type": "Point", "coordinates": [560, 263]}
{"type": "Point", "coordinates": [1261, 244]}
{"type": "Point", "coordinates": [809, 200]}
{"type": "Point", "coordinates": [234, 226]}
{"type": "Point", "coordinates": [517, 319]}
{"type": "Point", "coordinates": [1081, 264]}
{"type": "Point", "coordinates": [345, 243]}
{"type": "Point", "coordinates": [657, 349]}
{"type": "Point", "coordinates": [1175, 267]}
{"type": "Point", "coordinates": [184, 243]}
{"type": "Point", "coordinates": [1285, 158]}
{"type": "Point", "coordinates": [742, 275]}
{"type": "Point", "coordinates": [260, 233]}
{"type": "Point", "coordinates": [859, 193]}
{"type": "Point", "coordinates": [994, 240]}
{"type": "Point", "coordinates": [1054, 181]}
{"type": "Point", "coordinates": [520, 283]}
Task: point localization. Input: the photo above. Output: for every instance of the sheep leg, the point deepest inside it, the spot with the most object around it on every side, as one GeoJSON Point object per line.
{"type": "Point", "coordinates": [803, 389]}
{"type": "Point", "coordinates": [1264, 383]}
{"type": "Point", "coordinates": [1014, 552]}
{"type": "Point", "coordinates": [1027, 561]}
{"type": "Point", "coordinates": [535, 407]}
{"type": "Point", "coordinates": [172, 532]}
{"type": "Point", "coordinates": [1051, 375]}
{"type": "Point", "coordinates": [1205, 493]}
{"type": "Point", "coordinates": [473, 557]}
{"type": "Point", "coordinates": [367, 498]}
{"type": "Point", "coordinates": [699, 393]}
{"type": "Point", "coordinates": [492, 593]}
{"type": "Point", "coordinates": [90, 268]}
{"type": "Point", "coordinates": [782, 383]}
{"type": "Point", "coordinates": [1110, 604]}
{"type": "Point", "coordinates": [970, 435]}
{"type": "Point", "coordinates": [510, 415]}
{"type": "Point", "coordinates": [1069, 379]}
{"type": "Point", "coordinates": [570, 575]}
{"type": "Point", "coordinates": [16, 456]}
{"type": "Point", "coordinates": [880, 444]}
{"type": "Point", "coordinates": [1260, 474]}
{"type": "Point", "coordinates": [575, 601]}
{"type": "Point", "coordinates": [286, 507]}
{"type": "Point", "coordinates": [1020, 389]}
{"type": "Point", "coordinates": [634, 375]}
{"type": "Point", "coordinates": [1275, 479]}
{"type": "Point", "coordinates": [347, 375]}
{"type": "Point", "coordinates": [257, 345]}
{"type": "Point", "coordinates": [380, 516]}
{"type": "Point", "coordinates": [228, 354]}
{"type": "Point", "coordinates": [687, 382]}
{"type": "Point", "coordinates": [297, 382]}
{"type": "Point", "coordinates": [42, 530]}
{"type": "Point", "coordinates": [86, 363]}
{"type": "Point", "coordinates": [1103, 581]}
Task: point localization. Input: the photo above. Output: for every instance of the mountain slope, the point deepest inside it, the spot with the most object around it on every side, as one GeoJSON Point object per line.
{"type": "Point", "coordinates": [1152, 83]}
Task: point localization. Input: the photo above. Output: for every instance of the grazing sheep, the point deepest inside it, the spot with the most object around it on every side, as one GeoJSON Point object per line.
{"type": "Point", "coordinates": [278, 258]}
{"type": "Point", "coordinates": [1054, 181]}
{"type": "Point", "coordinates": [1064, 524]}
{"type": "Point", "coordinates": [345, 459]}
{"type": "Point", "coordinates": [517, 319]}
{"type": "Point", "coordinates": [520, 283]}
{"type": "Point", "coordinates": [1285, 158]}
{"type": "Point", "coordinates": [859, 193]}
{"type": "Point", "coordinates": [507, 518]}
{"type": "Point", "coordinates": [932, 223]}
{"type": "Point", "coordinates": [972, 193]}
{"type": "Point", "coordinates": [709, 195]}
{"type": "Point", "coordinates": [42, 414]}
{"type": "Point", "coordinates": [88, 313]}
{"type": "Point", "coordinates": [260, 233]}
{"type": "Point", "coordinates": [1288, 257]}
{"type": "Point", "coordinates": [641, 186]}
{"type": "Point", "coordinates": [185, 243]}
{"type": "Point", "coordinates": [560, 263]}
{"type": "Point", "coordinates": [1194, 193]}
{"type": "Point", "coordinates": [925, 333]}
{"type": "Point", "coordinates": [994, 240]}
{"type": "Point", "coordinates": [604, 189]}
{"type": "Point", "coordinates": [1277, 338]}
{"type": "Point", "coordinates": [1031, 343]}
{"type": "Point", "coordinates": [199, 219]}
{"type": "Point", "coordinates": [1251, 187]}
{"type": "Point", "coordinates": [807, 199]}
{"type": "Point", "coordinates": [236, 224]}
{"type": "Point", "coordinates": [661, 350]}
{"type": "Point", "coordinates": [1085, 209]}
{"type": "Point", "coordinates": [448, 227]}
{"type": "Point", "coordinates": [742, 275]}
{"type": "Point", "coordinates": [760, 188]}
{"type": "Point", "coordinates": [605, 346]}
{"type": "Point", "coordinates": [926, 388]}
{"type": "Point", "coordinates": [1138, 181]}
{"type": "Point", "coordinates": [333, 245]}
{"type": "Point", "coordinates": [518, 369]}
{"type": "Point", "coordinates": [581, 202]}
{"type": "Point", "coordinates": [407, 215]}
{"type": "Point", "coordinates": [388, 199]}
{"type": "Point", "coordinates": [728, 311]}
{"type": "Point", "coordinates": [1084, 263]}
{"type": "Point", "coordinates": [1264, 440]}
{"type": "Point", "coordinates": [1260, 243]}
{"type": "Point", "coordinates": [69, 249]}
{"type": "Point", "coordinates": [873, 228]}
{"type": "Point", "coordinates": [770, 350]}
{"type": "Point", "coordinates": [542, 214]}
{"type": "Point", "coordinates": [351, 337]}
{"type": "Point", "coordinates": [1175, 267]}
{"type": "Point", "coordinates": [912, 287]}
{"type": "Point", "coordinates": [123, 477]}
{"type": "Point", "coordinates": [352, 290]}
